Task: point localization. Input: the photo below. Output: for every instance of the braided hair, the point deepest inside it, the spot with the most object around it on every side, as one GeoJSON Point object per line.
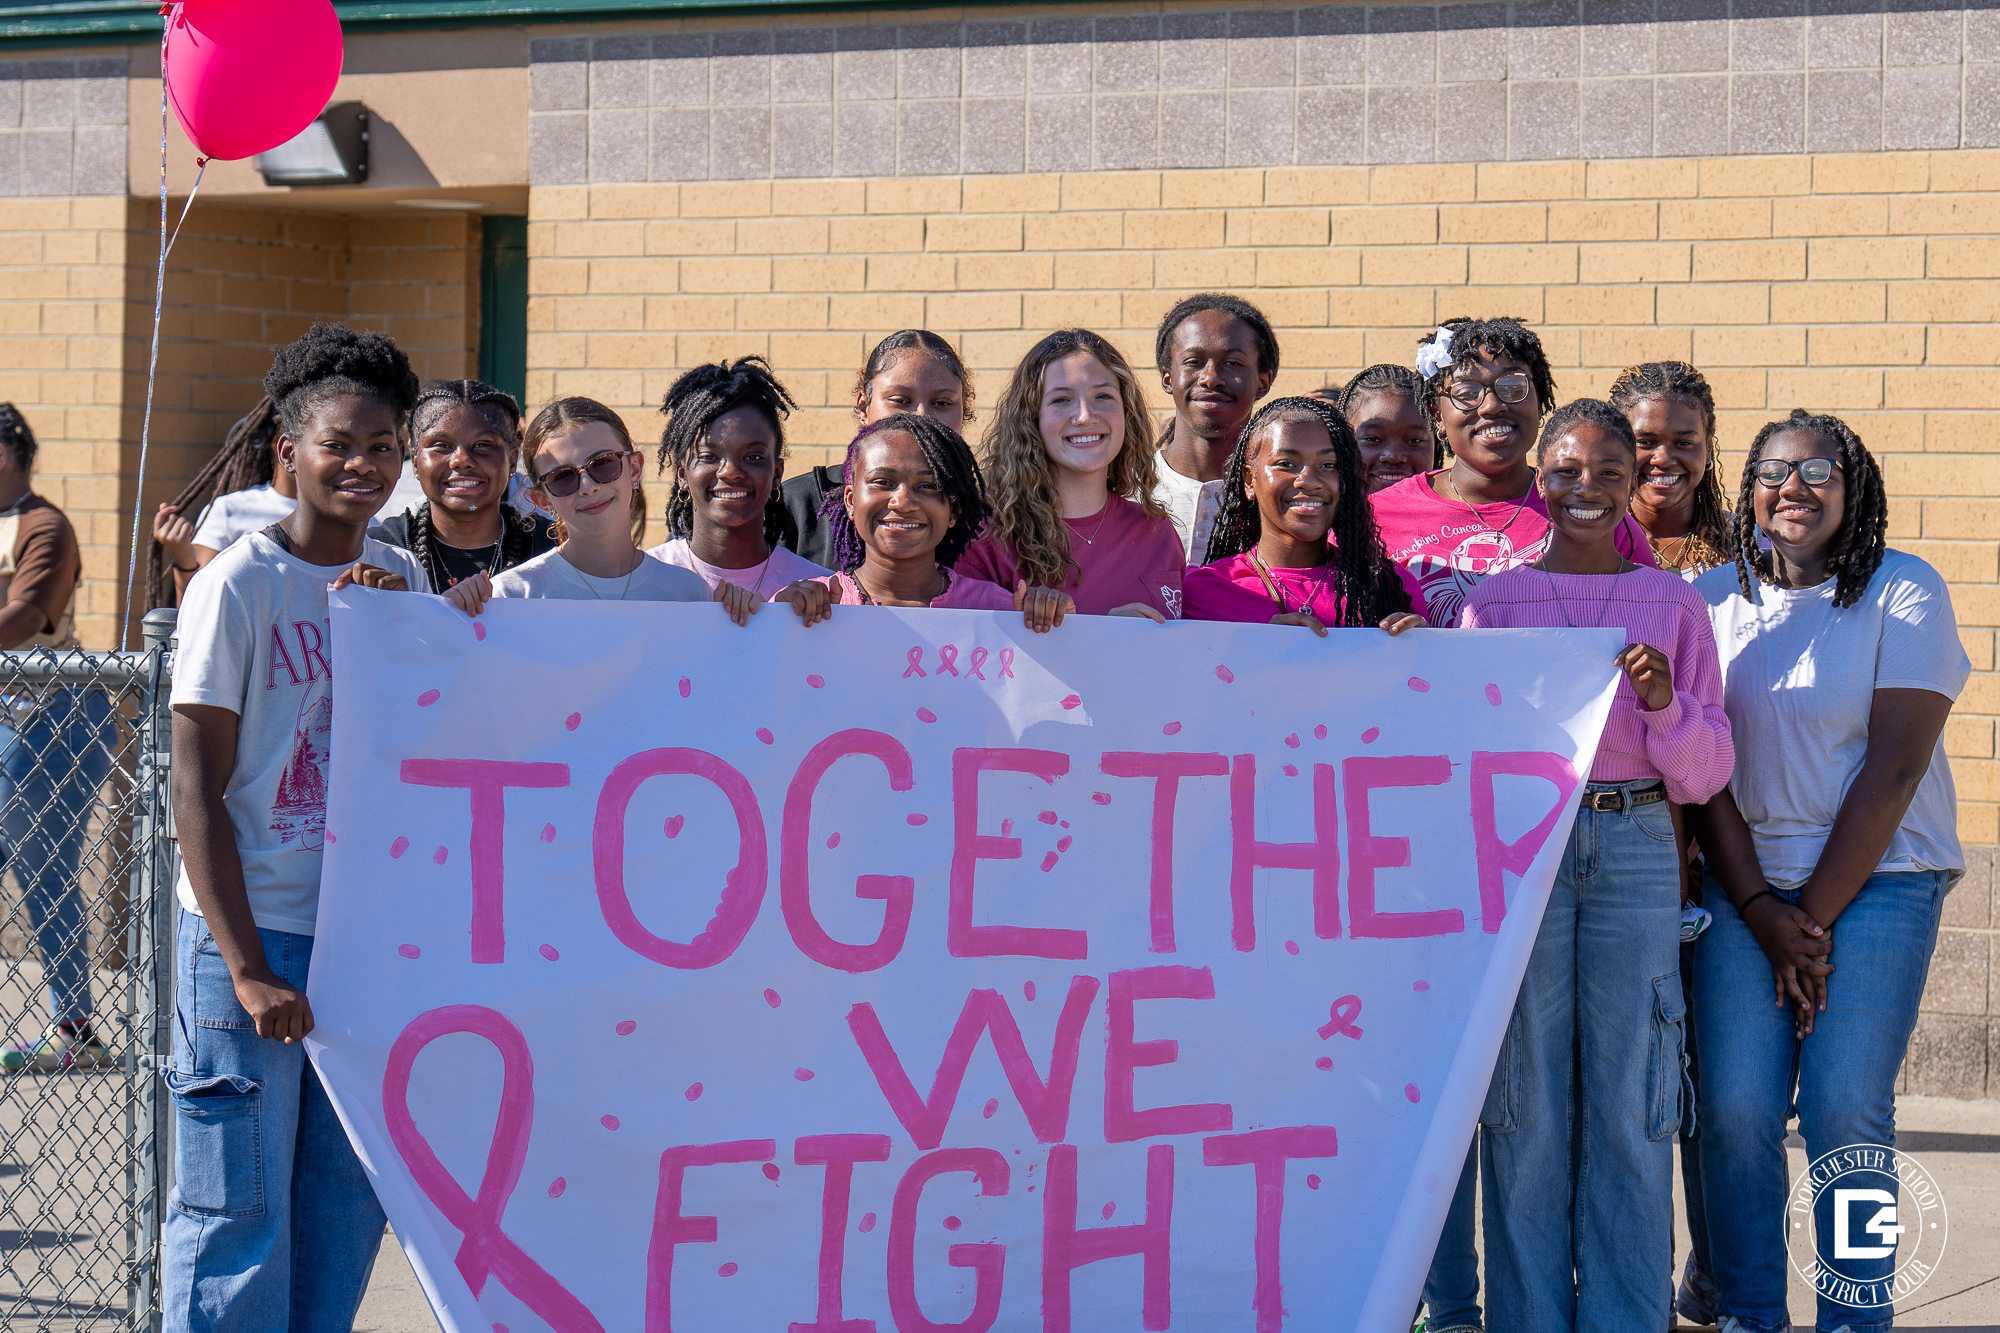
{"type": "Point", "coordinates": [1501, 336]}
{"type": "Point", "coordinates": [1860, 540]}
{"type": "Point", "coordinates": [949, 456]}
{"type": "Point", "coordinates": [245, 459]}
{"type": "Point", "coordinates": [1710, 536]}
{"type": "Point", "coordinates": [1368, 584]}
{"type": "Point", "coordinates": [691, 406]}
{"type": "Point", "coordinates": [17, 436]}
{"type": "Point", "coordinates": [503, 414]}
{"type": "Point", "coordinates": [1585, 412]}
{"type": "Point", "coordinates": [333, 361]}
{"type": "Point", "coordinates": [912, 340]}
{"type": "Point", "coordinates": [1400, 381]}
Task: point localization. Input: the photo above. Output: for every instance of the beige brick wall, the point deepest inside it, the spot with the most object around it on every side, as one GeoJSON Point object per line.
{"type": "Point", "coordinates": [1862, 285]}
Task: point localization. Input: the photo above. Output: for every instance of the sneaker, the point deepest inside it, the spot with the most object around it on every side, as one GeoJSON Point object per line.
{"type": "Point", "coordinates": [62, 1046]}
{"type": "Point", "coordinates": [1695, 1300]}
{"type": "Point", "coordinates": [1694, 921]}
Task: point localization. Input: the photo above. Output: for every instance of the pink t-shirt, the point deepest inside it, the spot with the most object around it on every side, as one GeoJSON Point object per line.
{"type": "Point", "coordinates": [1230, 589]}
{"type": "Point", "coordinates": [1121, 556]}
{"type": "Point", "coordinates": [1443, 547]}
{"type": "Point", "coordinates": [1686, 744]}
{"type": "Point", "coordinates": [963, 593]}
{"type": "Point", "coordinates": [767, 578]}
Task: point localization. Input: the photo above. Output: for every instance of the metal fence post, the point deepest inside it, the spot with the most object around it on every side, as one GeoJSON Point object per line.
{"type": "Point", "coordinates": [152, 921]}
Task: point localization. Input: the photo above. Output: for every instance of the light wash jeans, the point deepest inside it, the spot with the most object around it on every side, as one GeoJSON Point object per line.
{"type": "Point", "coordinates": [272, 1224]}
{"type": "Point", "coordinates": [1451, 1290]}
{"type": "Point", "coordinates": [1841, 1080]}
{"type": "Point", "coordinates": [1589, 1091]}
{"type": "Point", "coordinates": [49, 775]}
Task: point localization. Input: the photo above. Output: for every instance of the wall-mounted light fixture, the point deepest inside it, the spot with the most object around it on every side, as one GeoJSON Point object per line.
{"type": "Point", "coordinates": [333, 150]}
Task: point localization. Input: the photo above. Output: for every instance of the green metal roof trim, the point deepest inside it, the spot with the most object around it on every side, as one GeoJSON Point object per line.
{"type": "Point", "coordinates": [92, 22]}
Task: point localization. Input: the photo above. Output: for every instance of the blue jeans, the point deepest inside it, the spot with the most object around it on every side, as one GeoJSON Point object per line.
{"type": "Point", "coordinates": [1841, 1079]}
{"type": "Point", "coordinates": [49, 776]}
{"type": "Point", "coordinates": [1590, 1088]}
{"type": "Point", "coordinates": [1451, 1291]}
{"type": "Point", "coordinates": [272, 1224]}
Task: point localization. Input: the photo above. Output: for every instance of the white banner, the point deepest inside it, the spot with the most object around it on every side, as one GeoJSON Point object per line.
{"type": "Point", "coordinates": [914, 971]}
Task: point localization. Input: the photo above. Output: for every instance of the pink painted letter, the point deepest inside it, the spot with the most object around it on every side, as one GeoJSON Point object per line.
{"type": "Point", "coordinates": [1268, 1150]}
{"type": "Point", "coordinates": [897, 892]}
{"type": "Point", "coordinates": [1321, 855]}
{"type": "Point", "coordinates": [1066, 1248]}
{"type": "Point", "coordinates": [488, 780]}
{"type": "Point", "coordinates": [990, 1169]}
{"type": "Point", "coordinates": [670, 1229]}
{"type": "Point", "coordinates": [1122, 1056]}
{"type": "Point", "coordinates": [969, 847]}
{"type": "Point", "coordinates": [1494, 855]}
{"type": "Point", "coordinates": [1166, 770]}
{"type": "Point", "coordinates": [837, 1153]}
{"type": "Point", "coordinates": [1368, 852]}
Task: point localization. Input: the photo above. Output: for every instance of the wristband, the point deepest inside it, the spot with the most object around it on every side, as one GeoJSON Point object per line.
{"type": "Point", "coordinates": [188, 569]}
{"type": "Point", "coordinates": [1744, 906]}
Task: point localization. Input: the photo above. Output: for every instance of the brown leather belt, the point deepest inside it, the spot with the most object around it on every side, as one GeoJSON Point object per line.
{"type": "Point", "coordinates": [1621, 801]}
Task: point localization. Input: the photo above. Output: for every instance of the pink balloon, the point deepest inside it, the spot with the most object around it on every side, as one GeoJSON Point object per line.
{"type": "Point", "coordinates": [246, 75]}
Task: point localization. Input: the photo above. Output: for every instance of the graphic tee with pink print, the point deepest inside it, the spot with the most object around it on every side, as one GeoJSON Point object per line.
{"type": "Point", "coordinates": [255, 639]}
{"type": "Point", "coordinates": [1443, 546]}
{"type": "Point", "coordinates": [1119, 555]}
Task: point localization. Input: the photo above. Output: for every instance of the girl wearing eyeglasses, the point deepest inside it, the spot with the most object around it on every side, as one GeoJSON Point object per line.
{"type": "Point", "coordinates": [1486, 383]}
{"type": "Point", "coordinates": [1830, 853]}
{"type": "Point", "coordinates": [580, 457]}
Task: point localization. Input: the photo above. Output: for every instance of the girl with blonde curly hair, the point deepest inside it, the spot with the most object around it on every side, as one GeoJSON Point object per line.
{"type": "Point", "coordinates": [1070, 473]}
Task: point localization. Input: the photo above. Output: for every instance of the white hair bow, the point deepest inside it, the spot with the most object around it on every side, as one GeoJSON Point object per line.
{"type": "Point", "coordinates": [1435, 355]}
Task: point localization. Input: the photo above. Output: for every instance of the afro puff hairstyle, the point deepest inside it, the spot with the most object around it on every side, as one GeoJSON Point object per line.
{"type": "Point", "coordinates": [333, 361]}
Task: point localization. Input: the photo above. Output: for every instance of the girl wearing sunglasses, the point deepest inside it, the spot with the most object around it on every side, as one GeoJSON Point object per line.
{"type": "Point", "coordinates": [586, 473]}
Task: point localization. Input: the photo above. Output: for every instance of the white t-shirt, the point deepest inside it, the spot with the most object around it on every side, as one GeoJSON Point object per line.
{"type": "Point", "coordinates": [1799, 678]}
{"type": "Point", "coordinates": [1191, 507]}
{"type": "Point", "coordinates": [550, 575]}
{"type": "Point", "coordinates": [236, 515]}
{"type": "Point", "coordinates": [767, 578]}
{"type": "Point", "coordinates": [255, 639]}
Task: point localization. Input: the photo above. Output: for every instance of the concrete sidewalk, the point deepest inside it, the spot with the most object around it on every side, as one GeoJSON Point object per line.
{"type": "Point", "coordinates": [1957, 1142]}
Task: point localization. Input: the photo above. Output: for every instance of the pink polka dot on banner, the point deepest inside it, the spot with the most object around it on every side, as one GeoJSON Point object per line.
{"type": "Point", "coordinates": [427, 698]}
{"type": "Point", "coordinates": [398, 847]}
{"type": "Point", "coordinates": [802, 1074]}
{"type": "Point", "coordinates": [1420, 985]}
{"type": "Point", "coordinates": [1225, 675]}
{"type": "Point", "coordinates": [1106, 1211]}
{"type": "Point", "coordinates": [832, 841]}
{"type": "Point", "coordinates": [764, 735]}
{"type": "Point", "coordinates": [693, 1092]}
{"type": "Point", "coordinates": [331, 838]}
{"type": "Point", "coordinates": [1410, 1091]}
{"type": "Point", "coordinates": [727, 1270]}
{"type": "Point", "coordinates": [992, 1105]}
{"type": "Point", "coordinates": [916, 821]}
{"type": "Point", "coordinates": [1049, 861]}
{"type": "Point", "coordinates": [1293, 740]}
{"type": "Point", "coordinates": [409, 951]}
{"type": "Point", "coordinates": [1072, 701]}
{"type": "Point", "coordinates": [1325, 1062]}
{"type": "Point", "coordinates": [549, 952]}
{"type": "Point", "coordinates": [926, 715]}
{"type": "Point", "coordinates": [1368, 736]}
{"type": "Point", "coordinates": [573, 721]}
{"type": "Point", "coordinates": [952, 1224]}
{"type": "Point", "coordinates": [1006, 828]}
{"type": "Point", "coordinates": [1312, 1182]}
{"type": "Point", "coordinates": [479, 633]}
{"type": "Point", "coordinates": [548, 833]}
{"type": "Point", "coordinates": [1420, 685]}
{"type": "Point", "coordinates": [1062, 843]}
{"type": "Point", "coordinates": [499, 1328]}
{"type": "Point", "coordinates": [1291, 770]}
{"type": "Point", "coordinates": [686, 686]}
{"type": "Point", "coordinates": [770, 1170]}
{"type": "Point", "coordinates": [1101, 797]}
{"type": "Point", "coordinates": [626, 1028]}
{"type": "Point", "coordinates": [1028, 989]}
{"type": "Point", "coordinates": [674, 825]}
{"type": "Point", "coordinates": [817, 682]}
{"type": "Point", "coordinates": [1319, 732]}
{"type": "Point", "coordinates": [1048, 816]}
{"type": "Point", "coordinates": [772, 997]}
{"type": "Point", "coordinates": [1292, 948]}
{"type": "Point", "coordinates": [867, 1223]}
{"type": "Point", "coordinates": [1493, 695]}
{"type": "Point", "coordinates": [1171, 729]}
{"type": "Point", "coordinates": [557, 1186]}
{"type": "Point", "coordinates": [440, 855]}
{"type": "Point", "coordinates": [608, 1121]}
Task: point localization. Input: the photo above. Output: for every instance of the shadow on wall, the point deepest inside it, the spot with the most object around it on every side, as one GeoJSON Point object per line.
{"type": "Point", "coordinates": [393, 163]}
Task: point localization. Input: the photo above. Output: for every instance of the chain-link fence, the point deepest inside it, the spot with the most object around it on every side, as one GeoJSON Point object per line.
{"type": "Point", "coordinates": [86, 972]}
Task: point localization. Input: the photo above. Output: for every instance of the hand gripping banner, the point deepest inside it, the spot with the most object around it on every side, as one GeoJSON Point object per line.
{"type": "Point", "coordinates": [916, 972]}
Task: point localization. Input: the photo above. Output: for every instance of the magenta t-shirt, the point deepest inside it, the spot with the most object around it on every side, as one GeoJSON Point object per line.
{"type": "Point", "coordinates": [1121, 556]}
{"type": "Point", "coordinates": [961, 594]}
{"type": "Point", "coordinates": [1443, 547]}
{"type": "Point", "coordinates": [1230, 589]}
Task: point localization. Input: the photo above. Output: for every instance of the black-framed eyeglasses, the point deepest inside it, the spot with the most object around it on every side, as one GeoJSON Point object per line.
{"type": "Point", "coordinates": [603, 469]}
{"type": "Point", "coordinates": [1772, 472]}
{"type": "Point", "coordinates": [1508, 389]}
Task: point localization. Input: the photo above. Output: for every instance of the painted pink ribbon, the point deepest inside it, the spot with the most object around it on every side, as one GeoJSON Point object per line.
{"type": "Point", "coordinates": [948, 654]}
{"type": "Point", "coordinates": [486, 1250]}
{"type": "Point", "coordinates": [916, 666]}
{"type": "Point", "coordinates": [1007, 663]}
{"type": "Point", "coordinates": [1341, 1018]}
{"type": "Point", "coordinates": [978, 661]}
